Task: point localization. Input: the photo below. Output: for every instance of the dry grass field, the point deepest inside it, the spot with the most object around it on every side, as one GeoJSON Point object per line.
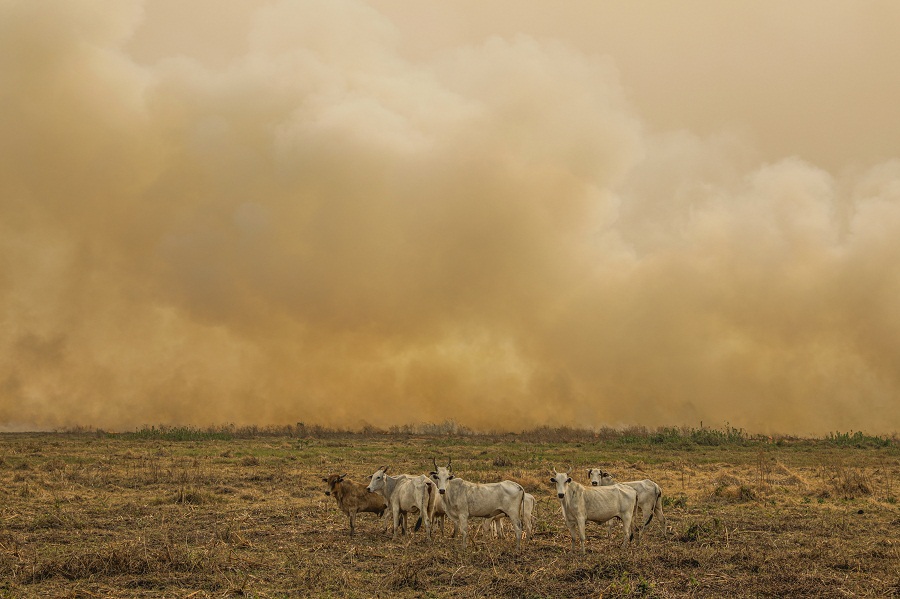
{"type": "Point", "coordinates": [175, 513]}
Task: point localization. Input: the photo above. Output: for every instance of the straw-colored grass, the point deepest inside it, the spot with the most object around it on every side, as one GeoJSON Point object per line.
{"type": "Point", "coordinates": [85, 515]}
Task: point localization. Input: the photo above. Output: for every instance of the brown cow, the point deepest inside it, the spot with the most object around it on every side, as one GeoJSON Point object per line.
{"type": "Point", "coordinates": [353, 498]}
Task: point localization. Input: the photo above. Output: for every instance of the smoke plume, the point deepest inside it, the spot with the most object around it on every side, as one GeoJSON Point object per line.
{"type": "Point", "coordinates": [320, 225]}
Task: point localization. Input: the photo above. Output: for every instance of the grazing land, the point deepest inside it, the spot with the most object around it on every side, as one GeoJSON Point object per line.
{"type": "Point", "coordinates": [226, 513]}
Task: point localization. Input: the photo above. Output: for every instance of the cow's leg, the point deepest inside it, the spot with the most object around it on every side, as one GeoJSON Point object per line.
{"type": "Point", "coordinates": [423, 513]}
{"type": "Point", "coordinates": [657, 509]}
{"type": "Point", "coordinates": [428, 531]}
{"type": "Point", "coordinates": [494, 524]}
{"type": "Point", "coordinates": [572, 525]}
{"type": "Point", "coordinates": [516, 519]}
{"type": "Point", "coordinates": [463, 526]}
{"type": "Point", "coordinates": [517, 526]}
{"type": "Point", "coordinates": [581, 523]}
{"type": "Point", "coordinates": [352, 515]}
{"type": "Point", "coordinates": [627, 522]}
{"type": "Point", "coordinates": [491, 527]}
{"type": "Point", "coordinates": [395, 510]}
{"type": "Point", "coordinates": [646, 517]}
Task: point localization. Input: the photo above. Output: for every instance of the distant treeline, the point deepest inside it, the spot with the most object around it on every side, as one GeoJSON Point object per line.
{"type": "Point", "coordinates": [682, 436]}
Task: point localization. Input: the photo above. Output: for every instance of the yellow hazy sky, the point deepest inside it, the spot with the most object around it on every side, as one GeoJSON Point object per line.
{"type": "Point", "coordinates": [508, 213]}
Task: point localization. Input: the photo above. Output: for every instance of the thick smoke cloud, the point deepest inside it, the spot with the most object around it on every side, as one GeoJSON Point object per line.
{"type": "Point", "coordinates": [324, 229]}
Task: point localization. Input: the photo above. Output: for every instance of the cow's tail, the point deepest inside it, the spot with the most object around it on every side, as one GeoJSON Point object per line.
{"type": "Point", "coordinates": [634, 517]}
{"type": "Point", "coordinates": [522, 507]}
{"type": "Point", "coordinates": [522, 504]}
{"type": "Point", "coordinates": [656, 505]}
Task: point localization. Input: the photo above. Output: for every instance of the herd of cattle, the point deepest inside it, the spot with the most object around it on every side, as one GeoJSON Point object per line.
{"type": "Point", "coordinates": [441, 494]}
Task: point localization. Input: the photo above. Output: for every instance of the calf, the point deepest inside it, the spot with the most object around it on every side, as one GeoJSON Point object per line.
{"type": "Point", "coordinates": [464, 499]}
{"type": "Point", "coordinates": [648, 492]}
{"type": "Point", "coordinates": [353, 498]}
{"type": "Point", "coordinates": [405, 494]}
{"type": "Point", "coordinates": [595, 504]}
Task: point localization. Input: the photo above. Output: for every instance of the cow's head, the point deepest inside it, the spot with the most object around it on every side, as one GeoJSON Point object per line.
{"type": "Point", "coordinates": [600, 478]}
{"type": "Point", "coordinates": [377, 481]}
{"type": "Point", "coordinates": [441, 475]}
{"type": "Point", "coordinates": [562, 480]}
{"type": "Point", "coordinates": [332, 481]}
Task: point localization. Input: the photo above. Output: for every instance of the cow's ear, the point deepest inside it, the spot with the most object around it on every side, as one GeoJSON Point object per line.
{"type": "Point", "coordinates": [568, 480]}
{"type": "Point", "coordinates": [552, 479]}
{"type": "Point", "coordinates": [450, 477]}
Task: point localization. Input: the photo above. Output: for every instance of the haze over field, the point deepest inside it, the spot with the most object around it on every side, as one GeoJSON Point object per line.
{"type": "Point", "coordinates": [509, 213]}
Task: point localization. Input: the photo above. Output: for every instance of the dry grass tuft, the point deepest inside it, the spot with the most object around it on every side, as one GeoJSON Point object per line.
{"type": "Point", "coordinates": [784, 476]}
{"type": "Point", "coordinates": [501, 462]}
{"type": "Point", "coordinates": [728, 480]}
{"type": "Point", "coordinates": [850, 483]}
{"type": "Point", "coordinates": [192, 496]}
{"type": "Point", "coordinates": [735, 492]}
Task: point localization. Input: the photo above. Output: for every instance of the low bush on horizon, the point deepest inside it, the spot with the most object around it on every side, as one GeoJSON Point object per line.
{"type": "Point", "coordinates": [683, 436]}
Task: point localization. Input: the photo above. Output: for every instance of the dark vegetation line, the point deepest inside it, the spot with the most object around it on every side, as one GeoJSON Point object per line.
{"type": "Point", "coordinates": [683, 436]}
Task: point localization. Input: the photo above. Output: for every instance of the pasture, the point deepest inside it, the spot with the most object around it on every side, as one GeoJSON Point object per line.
{"type": "Point", "coordinates": [194, 514]}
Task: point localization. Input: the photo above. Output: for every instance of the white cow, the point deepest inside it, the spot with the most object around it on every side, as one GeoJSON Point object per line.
{"type": "Point", "coordinates": [464, 500]}
{"type": "Point", "coordinates": [405, 494]}
{"type": "Point", "coordinates": [495, 524]}
{"type": "Point", "coordinates": [595, 504]}
{"type": "Point", "coordinates": [440, 512]}
{"type": "Point", "coordinates": [649, 495]}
